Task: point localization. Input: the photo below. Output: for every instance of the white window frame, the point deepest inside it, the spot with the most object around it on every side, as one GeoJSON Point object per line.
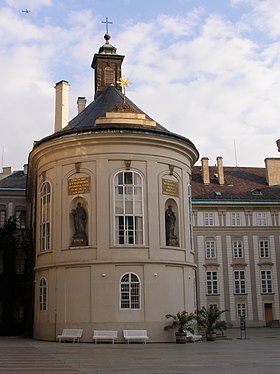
{"type": "Point", "coordinates": [266, 281]}
{"type": "Point", "coordinates": [212, 282]}
{"type": "Point", "coordinates": [235, 218]}
{"type": "Point", "coordinates": [210, 249]}
{"type": "Point", "coordinates": [261, 218]}
{"type": "Point", "coordinates": [264, 248]}
{"type": "Point", "coordinates": [208, 218]}
{"type": "Point", "coordinates": [237, 249]}
{"type": "Point", "coordinates": [130, 292]}
{"type": "Point", "coordinates": [239, 282]}
{"type": "Point", "coordinates": [20, 218]}
{"type": "Point", "coordinates": [129, 220]}
{"type": "Point", "coordinates": [43, 291]}
{"type": "Point", "coordinates": [45, 216]}
{"type": "Point", "coordinates": [241, 310]}
{"type": "Point", "coordinates": [3, 217]}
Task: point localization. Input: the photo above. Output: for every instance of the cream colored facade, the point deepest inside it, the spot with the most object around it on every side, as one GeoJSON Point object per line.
{"type": "Point", "coordinates": [237, 240]}
{"type": "Point", "coordinates": [80, 286]}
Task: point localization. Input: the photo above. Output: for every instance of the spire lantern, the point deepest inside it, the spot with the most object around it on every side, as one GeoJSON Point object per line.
{"type": "Point", "coordinates": [107, 65]}
{"type": "Point", "coordinates": [107, 47]}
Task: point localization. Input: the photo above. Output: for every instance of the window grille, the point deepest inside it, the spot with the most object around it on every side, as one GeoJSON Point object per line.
{"type": "Point", "coordinates": [130, 291]}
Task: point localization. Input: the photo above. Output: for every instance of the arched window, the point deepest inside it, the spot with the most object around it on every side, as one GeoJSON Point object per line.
{"type": "Point", "coordinates": [43, 294]}
{"type": "Point", "coordinates": [45, 206]}
{"type": "Point", "coordinates": [129, 291]}
{"type": "Point", "coordinates": [128, 188]}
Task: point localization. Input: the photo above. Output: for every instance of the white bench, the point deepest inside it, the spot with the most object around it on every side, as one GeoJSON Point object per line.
{"type": "Point", "coordinates": [70, 334]}
{"type": "Point", "coordinates": [193, 337]}
{"type": "Point", "coordinates": [104, 335]}
{"type": "Point", "coordinates": [135, 335]}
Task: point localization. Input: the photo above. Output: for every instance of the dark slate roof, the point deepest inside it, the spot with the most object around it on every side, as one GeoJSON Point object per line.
{"type": "Point", "coordinates": [241, 184]}
{"type": "Point", "coordinates": [105, 102]}
{"type": "Point", "coordinates": [17, 181]}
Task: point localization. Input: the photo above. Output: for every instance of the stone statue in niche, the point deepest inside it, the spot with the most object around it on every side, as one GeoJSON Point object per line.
{"type": "Point", "coordinates": [170, 223]}
{"type": "Point", "coordinates": [80, 221]}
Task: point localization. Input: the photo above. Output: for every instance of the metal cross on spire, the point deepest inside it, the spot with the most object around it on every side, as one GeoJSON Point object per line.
{"type": "Point", "coordinates": [107, 23]}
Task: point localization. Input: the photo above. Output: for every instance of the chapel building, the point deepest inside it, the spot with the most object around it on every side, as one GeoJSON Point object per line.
{"type": "Point", "coordinates": [111, 213]}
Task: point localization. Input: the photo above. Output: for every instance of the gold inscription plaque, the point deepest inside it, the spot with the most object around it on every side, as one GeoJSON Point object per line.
{"type": "Point", "coordinates": [169, 187]}
{"type": "Point", "coordinates": [77, 186]}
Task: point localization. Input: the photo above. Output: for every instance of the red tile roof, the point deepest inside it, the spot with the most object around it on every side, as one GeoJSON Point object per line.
{"type": "Point", "coordinates": [240, 182]}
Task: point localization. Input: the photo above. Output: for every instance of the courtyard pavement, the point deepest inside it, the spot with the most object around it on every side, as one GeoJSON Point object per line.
{"type": "Point", "coordinates": [259, 353]}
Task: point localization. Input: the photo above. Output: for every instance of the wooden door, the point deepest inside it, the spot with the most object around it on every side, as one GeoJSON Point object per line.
{"type": "Point", "coordinates": [268, 313]}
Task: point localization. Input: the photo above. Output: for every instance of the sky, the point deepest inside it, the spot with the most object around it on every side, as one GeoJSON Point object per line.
{"type": "Point", "coordinates": [205, 69]}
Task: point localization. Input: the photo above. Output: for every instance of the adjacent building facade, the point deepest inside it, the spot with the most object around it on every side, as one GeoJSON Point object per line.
{"type": "Point", "coordinates": [16, 256]}
{"type": "Point", "coordinates": [236, 212]}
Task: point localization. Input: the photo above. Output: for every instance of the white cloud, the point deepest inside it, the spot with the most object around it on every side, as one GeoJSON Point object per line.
{"type": "Point", "coordinates": [263, 16]}
{"type": "Point", "coordinates": [214, 88]}
{"type": "Point", "coordinates": [198, 75]}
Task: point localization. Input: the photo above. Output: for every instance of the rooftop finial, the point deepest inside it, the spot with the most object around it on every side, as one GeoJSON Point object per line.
{"type": "Point", "coordinates": [123, 82]}
{"type": "Point", "coordinates": [107, 29]}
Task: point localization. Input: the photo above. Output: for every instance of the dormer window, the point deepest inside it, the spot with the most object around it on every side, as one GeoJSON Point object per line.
{"type": "Point", "coordinates": [256, 192]}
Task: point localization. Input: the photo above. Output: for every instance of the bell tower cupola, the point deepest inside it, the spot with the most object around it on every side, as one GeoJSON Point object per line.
{"type": "Point", "coordinates": [107, 65]}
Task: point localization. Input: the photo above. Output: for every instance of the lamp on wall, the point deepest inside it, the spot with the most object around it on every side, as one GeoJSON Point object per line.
{"type": "Point", "coordinates": [103, 275]}
{"type": "Point", "coordinates": [155, 274]}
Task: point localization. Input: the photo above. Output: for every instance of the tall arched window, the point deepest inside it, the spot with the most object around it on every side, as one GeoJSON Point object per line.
{"type": "Point", "coordinates": [45, 206]}
{"type": "Point", "coordinates": [129, 291]}
{"type": "Point", "coordinates": [43, 294]}
{"type": "Point", "coordinates": [128, 188]}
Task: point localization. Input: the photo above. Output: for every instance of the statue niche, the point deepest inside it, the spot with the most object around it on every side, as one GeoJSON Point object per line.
{"type": "Point", "coordinates": [79, 216]}
{"type": "Point", "coordinates": [170, 224]}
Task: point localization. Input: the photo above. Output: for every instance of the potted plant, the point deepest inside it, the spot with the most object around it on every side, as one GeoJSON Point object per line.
{"type": "Point", "coordinates": [209, 318]}
{"type": "Point", "coordinates": [180, 322]}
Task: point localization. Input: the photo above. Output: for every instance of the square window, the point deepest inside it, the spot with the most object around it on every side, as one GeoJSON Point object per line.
{"type": "Point", "coordinates": [239, 282]}
{"type": "Point", "coordinates": [208, 218]}
{"type": "Point", "coordinates": [212, 282]}
{"type": "Point", "coordinates": [210, 249]}
{"type": "Point", "coordinates": [235, 219]}
{"type": "Point", "coordinates": [264, 248]}
{"type": "Point", "coordinates": [261, 219]}
{"type": "Point", "coordinates": [237, 249]}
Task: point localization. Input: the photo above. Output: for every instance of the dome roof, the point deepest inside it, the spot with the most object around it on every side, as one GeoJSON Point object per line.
{"type": "Point", "coordinates": [110, 100]}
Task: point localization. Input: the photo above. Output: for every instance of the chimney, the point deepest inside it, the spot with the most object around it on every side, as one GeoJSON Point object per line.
{"type": "Point", "coordinates": [81, 103]}
{"type": "Point", "coordinates": [8, 170]}
{"type": "Point", "coordinates": [272, 169]}
{"type": "Point", "coordinates": [205, 170]}
{"type": "Point", "coordinates": [221, 178]}
{"type": "Point", "coordinates": [61, 105]}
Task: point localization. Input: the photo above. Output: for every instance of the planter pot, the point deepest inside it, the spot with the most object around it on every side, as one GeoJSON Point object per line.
{"type": "Point", "coordinates": [211, 336]}
{"type": "Point", "coordinates": [181, 338]}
